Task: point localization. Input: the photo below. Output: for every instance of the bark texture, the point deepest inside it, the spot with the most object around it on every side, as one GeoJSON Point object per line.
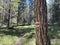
{"type": "Point", "coordinates": [41, 17]}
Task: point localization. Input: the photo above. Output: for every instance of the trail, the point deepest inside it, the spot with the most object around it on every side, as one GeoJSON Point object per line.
{"type": "Point", "coordinates": [19, 41]}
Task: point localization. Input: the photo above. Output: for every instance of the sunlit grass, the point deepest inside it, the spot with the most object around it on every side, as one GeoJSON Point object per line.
{"type": "Point", "coordinates": [55, 41]}
{"type": "Point", "coordinates": [7, 39]}
{"type": "Point", "coordinates": [28, 42]}
{"type": "Point", "coordinates": [27, 39]}
{"type": "Point", "coordinates": [25, 27]}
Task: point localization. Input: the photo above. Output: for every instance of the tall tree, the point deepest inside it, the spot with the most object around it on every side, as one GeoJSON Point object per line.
{"type": "Point", "coordinates": [9, 15]}
{"type": "Point", "coordinates": [55, 10]}
{"type": "Point", "coordinates": [31, 11]}
{"type": "Point", "coordinates": [21, 9]}
{"type": "Point", "coordinates": [41, 22]}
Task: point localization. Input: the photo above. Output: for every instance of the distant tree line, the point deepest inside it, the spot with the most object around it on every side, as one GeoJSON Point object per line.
{"type": "Point", "coordinates": [54, 11]}
{"type": "Point", "coordinates": [19, 14]}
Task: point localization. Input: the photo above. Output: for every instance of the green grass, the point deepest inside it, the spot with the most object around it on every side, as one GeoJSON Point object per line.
{"type": "Point", "coordinates": [7, 39]}
{"type": "Point", "coordinates": [10, 40]}
{"type": "Point", "coordinates": [55, 41]}
{"type": "Point", "coordinates": [25, 27]}
{"type": "Point", "coordinates": [9, 36]}
{"type": "Point", "coordinates": [29, 42]}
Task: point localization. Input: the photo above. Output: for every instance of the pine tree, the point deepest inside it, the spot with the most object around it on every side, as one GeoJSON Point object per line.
{"type": "Point", "coordinates": [41, 22]}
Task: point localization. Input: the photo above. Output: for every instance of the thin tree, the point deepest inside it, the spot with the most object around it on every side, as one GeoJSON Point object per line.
{"type": "Point", "coordinates": [18, 17]}
{"type": "Point", "coordinates": [31, 11]}
{"type": "Point", "coordinates": [21, 8]}
{"type": "Point", "coordinates": [9, 14]}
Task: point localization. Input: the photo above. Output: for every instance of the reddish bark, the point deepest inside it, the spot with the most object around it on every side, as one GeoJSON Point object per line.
{"type": "Point", "coordinates": [37, 24]}
{"type": "Point", "coordinates": [41, 17]}
{"type": "Point", "coordinates": [19, 41]}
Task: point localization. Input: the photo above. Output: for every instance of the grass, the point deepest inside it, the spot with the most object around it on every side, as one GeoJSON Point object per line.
{"type": "Point", "coordinates": [25, 27]}
{"type": "Point", "coordinates": [7, 39]}
{"type": "Point", "coordinates": [9, 36]}
{"type": "Point", "coordinates": [55, 41]}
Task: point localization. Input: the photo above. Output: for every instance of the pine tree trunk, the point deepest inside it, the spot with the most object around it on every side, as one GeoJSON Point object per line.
{"type": "Point", "coordinates": [41, 19]}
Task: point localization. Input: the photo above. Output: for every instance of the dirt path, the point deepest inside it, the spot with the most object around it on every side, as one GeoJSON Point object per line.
{"type": "Point", "coordinates": [19, 41]}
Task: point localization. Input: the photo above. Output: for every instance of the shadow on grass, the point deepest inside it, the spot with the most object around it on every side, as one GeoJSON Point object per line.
{"type": "Point", "coordinates": [15, 32]}
{"type": "Point", "coordinates": [54, 32]}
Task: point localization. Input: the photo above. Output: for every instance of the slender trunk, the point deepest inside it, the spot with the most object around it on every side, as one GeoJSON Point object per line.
{"type": "Point", "coordinates": [18, 17]}
{"type": "Point", "coordinates": [9, 19]}
{"type": "Point", "coordinates": [9, 15]}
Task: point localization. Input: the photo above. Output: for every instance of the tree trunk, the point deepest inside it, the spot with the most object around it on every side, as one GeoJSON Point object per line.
{"type": "Point", "coordinates": [9, 19]}
{"type": "Point", "coordinates": [18, 17]}
{"type": "Point", "coordinates": [9, 15]}
{"type": "Point", "coordinates": [41, 18]}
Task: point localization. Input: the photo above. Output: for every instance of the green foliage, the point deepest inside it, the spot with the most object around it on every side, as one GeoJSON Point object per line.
{"type": "Point", "coordinates": [29, 42]}
{"type": "Point", "coordinates": [53, 12]}
{"type": "Point", "coordinates": [25, 27]}
{"type": "Point", "coordinates": [7, 39]}
{"type": "Point", "coordinates": [15, 4]}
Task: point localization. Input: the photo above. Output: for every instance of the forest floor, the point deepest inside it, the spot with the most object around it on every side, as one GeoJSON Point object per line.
{"type": "Point", "coordinates": [10, 36]}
